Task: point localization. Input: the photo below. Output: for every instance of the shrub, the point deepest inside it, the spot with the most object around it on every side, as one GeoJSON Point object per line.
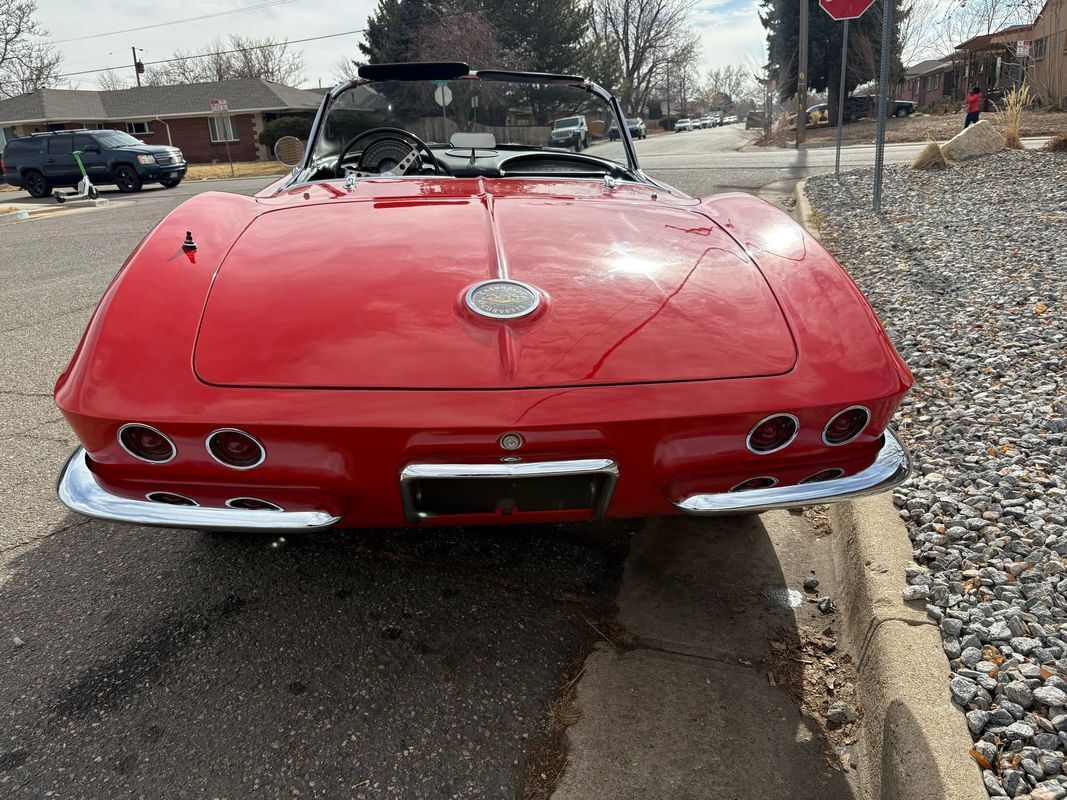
{"type": "Point", "coordinates": [1057, 144]}
{"type": "Point", "coordinates": [300, 127]}
{"type": "Point", "coordinates": [1011, 115]}
{"type": "Point", "coordinates": [931, 157]}
{"type": "Point", "coordinates": [667, 123]}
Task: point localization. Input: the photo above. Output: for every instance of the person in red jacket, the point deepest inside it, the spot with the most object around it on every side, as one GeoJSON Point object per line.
{"type": "Point", "coordinates": [974, 105]}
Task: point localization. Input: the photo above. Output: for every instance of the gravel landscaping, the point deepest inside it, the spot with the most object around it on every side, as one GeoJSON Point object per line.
{"type": "Point", "coordinates": [968, 269]}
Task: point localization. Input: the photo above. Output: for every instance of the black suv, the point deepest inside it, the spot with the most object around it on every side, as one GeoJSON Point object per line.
{"type": "Point", "coordinates": [41, 161]}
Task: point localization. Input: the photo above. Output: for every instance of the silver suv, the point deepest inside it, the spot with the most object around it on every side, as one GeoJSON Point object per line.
{"type": "Point", "coordinates": [569, 132]}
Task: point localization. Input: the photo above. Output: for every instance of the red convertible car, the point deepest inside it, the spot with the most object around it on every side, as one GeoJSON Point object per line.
{"type": "Point", "coordinates": [436, 319]}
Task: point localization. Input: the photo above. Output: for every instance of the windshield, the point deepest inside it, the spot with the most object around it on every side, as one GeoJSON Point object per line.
{"type": "Point", "coordinates": [111, 139]}
{"type": "Point", "coordinates": [507, 116]}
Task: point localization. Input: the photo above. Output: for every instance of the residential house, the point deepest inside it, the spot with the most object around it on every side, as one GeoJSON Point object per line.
{"type": "Point", "coordinates": [928, 83]}
{"type": "Point", "coordinates": [179, 115]}
{"type": "Point", "coordinates": [991, 61]}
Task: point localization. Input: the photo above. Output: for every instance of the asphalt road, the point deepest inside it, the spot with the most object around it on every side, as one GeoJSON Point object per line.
{"type": "Point", "coordinates": [149, 663]}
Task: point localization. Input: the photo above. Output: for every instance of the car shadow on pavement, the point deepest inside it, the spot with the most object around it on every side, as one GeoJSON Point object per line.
{"type": "Point", "coordinates": [147, 662]}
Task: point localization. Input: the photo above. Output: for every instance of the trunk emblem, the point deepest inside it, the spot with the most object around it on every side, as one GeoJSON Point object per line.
{"type": "Point", "coordinates": [502, 299]}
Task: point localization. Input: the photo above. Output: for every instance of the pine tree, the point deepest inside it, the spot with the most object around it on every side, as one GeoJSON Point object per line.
{"type": "Point", "coordinates": [781, 18]}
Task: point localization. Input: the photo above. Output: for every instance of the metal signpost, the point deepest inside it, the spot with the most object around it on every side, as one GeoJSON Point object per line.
{"type": "Point", "coordinates": [883, 101]}
{"type": "Point", "coordinates": [218, 108]}
{"type": "Point", "coordinates": [843, 10]}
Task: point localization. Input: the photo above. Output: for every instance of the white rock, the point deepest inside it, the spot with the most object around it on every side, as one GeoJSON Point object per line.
{"type": "Point", "coordinates": [980, 139]}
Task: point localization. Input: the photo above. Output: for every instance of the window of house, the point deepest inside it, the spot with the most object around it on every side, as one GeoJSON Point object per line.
{"type": "Point", "coordinates": [222, 129]}
{"type": "Point", "coordinates": [1037, 50]}
{"type": "Point", "coordinates": [138, 127]}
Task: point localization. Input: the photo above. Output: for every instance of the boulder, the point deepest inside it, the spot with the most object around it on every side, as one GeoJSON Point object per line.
{"type": "Point", "coordinates": [980, 139]}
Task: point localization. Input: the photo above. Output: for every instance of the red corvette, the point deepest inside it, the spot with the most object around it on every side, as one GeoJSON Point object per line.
{"type": "Point", "coordinates": [439, 319]}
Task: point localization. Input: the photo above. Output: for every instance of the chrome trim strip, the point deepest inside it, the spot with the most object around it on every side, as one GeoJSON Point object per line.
{"type": "Point", "coordinates": [891, 466]}
{"type": "Point", "coordinates": [262, 449]}
{"type": "Point", "coordinates": [79, 490]}
{"type": "Point", "coordinates": [826, 427]}
{"type": "Point", "coordinates": [272, 506]}
{"type": "Point", "coordinates": [118, 438]}
{"type": "Point", "coordinates": [514, 469]}
{"type": "Point", "coordinates": [774, 482]}
{"type": "Point", "coordinates": [191, 502]}
{"type": "Point", "coordinates": [796, 432]}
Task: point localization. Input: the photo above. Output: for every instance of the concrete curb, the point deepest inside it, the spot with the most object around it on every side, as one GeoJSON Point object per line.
{"type": "Point", "coordinates": [805, 213]}
{"type": "Point", "coordinates": [916, 741]}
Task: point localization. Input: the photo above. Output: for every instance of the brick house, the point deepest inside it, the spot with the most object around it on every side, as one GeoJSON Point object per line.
{"type": "Point", "coordinates": [179, 115]}
{"type": "Point", "coordinates": [928, 83]}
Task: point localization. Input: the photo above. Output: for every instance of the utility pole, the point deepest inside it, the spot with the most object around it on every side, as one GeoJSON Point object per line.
{"type": "Point", "coordinates": [138, 67]}
{"type": "Point", "coordinates": [668, 92]}
{"type": "Point", "coordinates": [802, 76]}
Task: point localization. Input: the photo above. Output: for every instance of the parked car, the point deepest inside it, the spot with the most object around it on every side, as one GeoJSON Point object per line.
{"type": "Point", "coordinates": [862, 106]}
{"type": "Point", "coordinates": [403, 333]}
{"type": "Point", "coordinates": [569, 132]}
{"type": "Point", "coordinates": [43, 161]}
{"type": "Point", "coordinates": [636, 126]}
{"type": "Point", "coordinates": [754, 119]}
{"type": "Point", "coordinates": [706, 122]}
{"type": "Point", "coordinates": [684, 124]}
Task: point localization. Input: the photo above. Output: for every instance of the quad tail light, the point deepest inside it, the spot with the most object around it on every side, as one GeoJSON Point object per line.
{"type": "Point", "coordinates": [235, 449]}
{"type": "Point", "coordinates": [846, 425]}
{"type": "Point", "coordinates": [772, 433]}
{"type": "Point", "coordinates": [146, 443]}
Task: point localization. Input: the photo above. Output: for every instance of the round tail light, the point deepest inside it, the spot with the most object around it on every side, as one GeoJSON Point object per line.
{"type": "Point", "coordinates": [146, 443]}
{"type": "Point", "coordinates": [846, 425]}
{"type": "Point", "coordinates": [235, 448]}
{"type": "Point", "coordinates": [772, 434]}
{"type": "Point", "coordinates": [252, 504]}
{"type": "Point", "coordinates": [171, 499]}
{"type": "Point", "coordinates": [755, 483]}
{"type": "Point", "coordinates": [824, 475]}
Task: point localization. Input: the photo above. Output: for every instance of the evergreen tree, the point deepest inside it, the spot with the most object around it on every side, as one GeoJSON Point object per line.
{"type": "Point", "coordinates": [781, 18]}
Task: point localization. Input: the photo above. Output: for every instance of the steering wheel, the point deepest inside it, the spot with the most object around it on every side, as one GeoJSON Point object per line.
{"type": "Point", "coordinates": [387, 136]}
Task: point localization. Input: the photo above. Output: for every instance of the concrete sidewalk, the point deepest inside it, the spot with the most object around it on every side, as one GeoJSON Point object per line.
{"type": "Point", "coordinates": [697, 708]}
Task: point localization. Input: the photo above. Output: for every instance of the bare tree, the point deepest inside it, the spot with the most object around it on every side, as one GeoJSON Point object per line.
{"type": "Point", "coordinates": [109, 80]}
{"type": "Point", "coordinates": [25, 65]}
{"type": "Point", "coordinates": [729, 85]}
{"type": "Point", "coordinates": [649, 34]}
{"type": "Point", "coordinates": [344, 69]}
{"type": "Point", "coordinates": [237, 57]}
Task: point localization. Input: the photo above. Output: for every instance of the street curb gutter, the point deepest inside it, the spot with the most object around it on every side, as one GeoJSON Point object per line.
{"type": "Point", "coordinates": [916, 744]}
{"type": "Point", "coordinates": [805, 213]}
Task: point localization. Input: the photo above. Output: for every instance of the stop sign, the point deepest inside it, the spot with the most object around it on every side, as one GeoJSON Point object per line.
{"type": "Point", "coordinates": [845, 9]}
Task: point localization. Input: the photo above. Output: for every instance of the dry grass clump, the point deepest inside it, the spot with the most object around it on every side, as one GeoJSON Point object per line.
{"type": "Point", "coordinates": [1057, 144]}
{"type": "Point", "coordinates": [931, 157]}
{"type": "Point", "coordinates": [1011, 114]}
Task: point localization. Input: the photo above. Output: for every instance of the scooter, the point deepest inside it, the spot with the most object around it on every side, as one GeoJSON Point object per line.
{"type": "Point", "coordinates": [85, 189]}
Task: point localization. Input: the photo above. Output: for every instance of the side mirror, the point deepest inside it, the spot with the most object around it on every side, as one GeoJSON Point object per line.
{"type": "Point", "coordinates": [289, 150]}
{"type": "Point", "coordinates": [91, 148]}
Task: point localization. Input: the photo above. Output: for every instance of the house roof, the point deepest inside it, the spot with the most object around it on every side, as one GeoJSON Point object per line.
{"type": "Point", "coordinates": [925, 67]}
{"type": "Point", "coordinates": [995, 40]}
{"type": "Point", "coordinates": [146, 102]}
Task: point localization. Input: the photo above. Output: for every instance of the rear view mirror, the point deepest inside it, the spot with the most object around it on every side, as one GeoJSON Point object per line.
{"type": "Point", "coordinates": [289, 150]}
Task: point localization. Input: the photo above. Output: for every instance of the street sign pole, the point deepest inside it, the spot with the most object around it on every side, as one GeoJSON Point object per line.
{"type": "Point", "coordinates": [841, 99]}
{"type": "Point", "coordinates": [883, 100]}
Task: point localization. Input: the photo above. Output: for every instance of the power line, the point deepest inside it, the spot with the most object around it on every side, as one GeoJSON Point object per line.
{"type": "Point", "coordinates": [257, 7]}
{"type": "Point", "coordinates": [219, 53]}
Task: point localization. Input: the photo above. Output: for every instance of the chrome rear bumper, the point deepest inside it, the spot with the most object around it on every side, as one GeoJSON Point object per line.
{"type": "Point", "coordinates": [890, 467]}
{"type": "Point", "coordinates": [80, 491]}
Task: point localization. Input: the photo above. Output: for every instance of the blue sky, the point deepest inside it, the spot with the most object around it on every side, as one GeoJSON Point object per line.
{"type": "Point", "coordinates": [729, 29]}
